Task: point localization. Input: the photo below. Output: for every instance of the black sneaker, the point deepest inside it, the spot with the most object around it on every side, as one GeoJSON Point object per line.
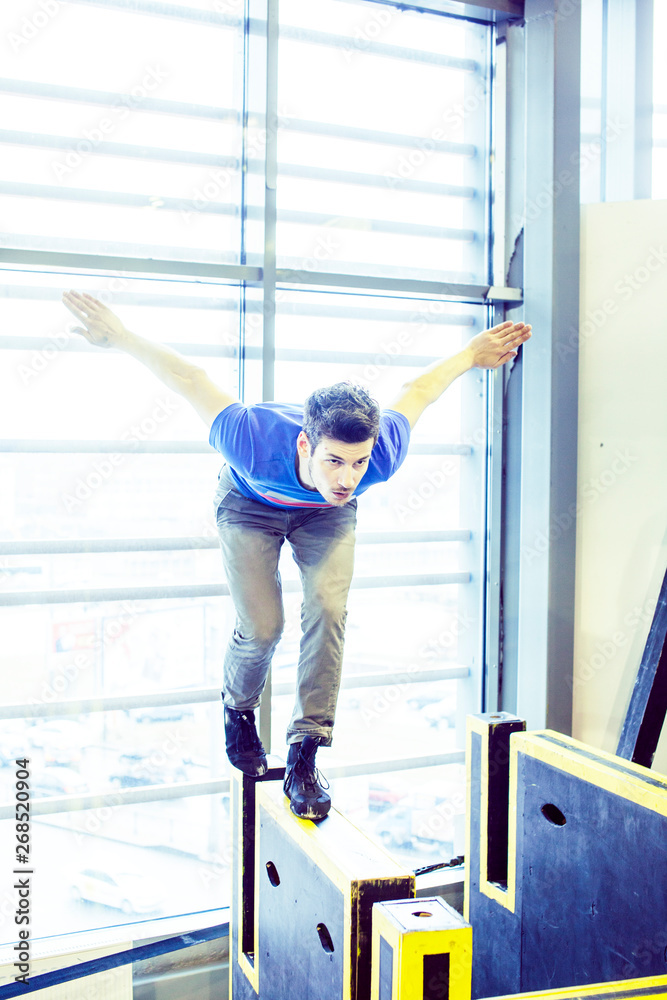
{"type": "Point", "coordinates": [244, 747]}
{"type": "Point", "coordinates": [308, 799]}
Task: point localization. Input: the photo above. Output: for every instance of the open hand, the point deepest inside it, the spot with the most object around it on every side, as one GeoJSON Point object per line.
{"type": "Point", "coordinates": [101, 326]}
{"type": "Point", "coordinates": [495, 347]}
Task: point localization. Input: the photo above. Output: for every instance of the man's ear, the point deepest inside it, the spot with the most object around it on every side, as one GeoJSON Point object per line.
{"type": "Point", "coordinates": [303, 445]}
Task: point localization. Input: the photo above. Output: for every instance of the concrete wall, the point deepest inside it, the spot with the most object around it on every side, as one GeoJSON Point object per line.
{"type": "Point", "coordinates": [622, 475]}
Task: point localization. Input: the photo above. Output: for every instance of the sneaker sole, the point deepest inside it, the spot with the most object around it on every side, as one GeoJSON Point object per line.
{"type": "Point", "coordinates": [310, 813]}
{"type": "Point", "coordinates": [256, 772]}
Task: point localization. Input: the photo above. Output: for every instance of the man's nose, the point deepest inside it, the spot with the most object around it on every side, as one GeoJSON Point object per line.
{"type": "Point", "coordinates": [346, 477]}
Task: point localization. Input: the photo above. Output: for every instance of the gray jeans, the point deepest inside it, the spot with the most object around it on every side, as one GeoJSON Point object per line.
{"type": "Point", "coordinates": [322, 540]}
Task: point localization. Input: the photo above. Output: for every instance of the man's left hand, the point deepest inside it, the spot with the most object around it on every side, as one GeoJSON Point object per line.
{"type": "Point", "coordinates": [495, 347]}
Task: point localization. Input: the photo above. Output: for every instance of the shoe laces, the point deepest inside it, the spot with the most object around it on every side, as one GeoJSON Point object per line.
{"type": "Point", "coordinates": [305, 767]}
{"type": "Point", "coordinates": [247, 733]}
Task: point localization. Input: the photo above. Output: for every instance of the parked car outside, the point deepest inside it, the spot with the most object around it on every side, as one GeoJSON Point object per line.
{"type": "Point", "coordinates": [419, 821]}
{"type": "Point", "coordinates": [13, 738]}
{"type": "Point", "coordinates": [61, 741]}
{"type": "Point", "coordinates": [162, 713]}
{"type": "Point", "coordinates": [129, 892]}
{"type": "Point", "coordinates": [380, 796]}
{"type": "Point", "coordinates": [50, 781]}
{"type": "Point", "coordinates": [440, 714]}
{"type": "Point", "coordinates": [134, 770]}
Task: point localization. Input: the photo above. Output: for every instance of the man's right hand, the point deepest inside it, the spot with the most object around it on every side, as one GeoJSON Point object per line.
{"type": "Point", "coordinates": [101, 326]}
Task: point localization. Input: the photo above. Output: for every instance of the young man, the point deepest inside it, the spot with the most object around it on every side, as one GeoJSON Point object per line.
{"type": "Point", "coordinates": [293, 473]}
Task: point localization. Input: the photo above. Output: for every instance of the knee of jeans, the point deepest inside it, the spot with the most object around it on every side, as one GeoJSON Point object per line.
{"type": "Point", "coordinates": [265, 635]}
{"type": "Point", "coordinates": [334, 612]}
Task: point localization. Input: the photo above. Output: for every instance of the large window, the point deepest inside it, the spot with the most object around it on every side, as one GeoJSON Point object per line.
{"type": "Point", "coordinates": [341, 231]}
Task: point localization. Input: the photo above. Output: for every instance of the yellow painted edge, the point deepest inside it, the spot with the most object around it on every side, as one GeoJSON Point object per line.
{"type": "Point", "coordinates": [250, 971]}
{"type": "Point", "coordinates": [232, 826]}
{"type": "Point", "coordinates": [601, 772]}
{"type": "Point", "coordinates": [382, 926]}
{"type": "Point", "coordinates": [347, 953]}
{"type": "Point", "coordinates": [386, 925]}
{"type": "Point", "coordinates": [460, 972]}
{"type": "Point", "coordinates": [484, 812]}
{"type": "Point", "coordinates": [304, 833]}
{"type": "Point", "coordinates": [251, 974]}
{"type": "Point", "coordinates": [409, 948]}
{"type": "Point", "coordinates": [375, 970]}
{"type": "Point", "coordinates": [505, 897]}
{"type": "Point", "coordinates": [375, 963]}
{"type": "Point", "coordinates": [396, 973]}
{"type": "Point", "coordinates": [436, 942]}
{"type": "Point", "coordinates": [604, 774]}
{"type": "Point", "coordinates": [468, 847]}
{"type": "Point", "coordinates": [416, 944]}
{"type": "Point", "coordinates": [647, 983]}
{"type": "Point", "coordinates": [511, 829]}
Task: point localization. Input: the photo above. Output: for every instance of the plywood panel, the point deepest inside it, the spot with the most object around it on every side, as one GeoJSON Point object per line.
{"type": "Point", "coordinates": [622, 475]}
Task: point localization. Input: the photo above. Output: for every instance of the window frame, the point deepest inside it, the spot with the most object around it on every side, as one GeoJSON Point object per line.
{"type": "Point", "coordinates": [261, 65]}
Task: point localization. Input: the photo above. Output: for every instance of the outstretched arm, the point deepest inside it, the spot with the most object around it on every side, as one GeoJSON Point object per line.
{"type": "Point", "coordinates": [104, 329]}
{"type": "Point", "coordinates": [489, 349]}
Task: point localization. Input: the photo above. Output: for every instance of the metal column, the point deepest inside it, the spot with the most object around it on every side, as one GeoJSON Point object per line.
{"type": "Point", "coordinates": [541, 399]}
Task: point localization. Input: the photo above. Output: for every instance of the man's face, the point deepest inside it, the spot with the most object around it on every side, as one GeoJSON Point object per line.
{"type": "Point", "coordinates": [333, 468]}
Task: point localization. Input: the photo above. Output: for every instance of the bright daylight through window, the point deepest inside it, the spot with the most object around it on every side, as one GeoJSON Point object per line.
{"type": "Point", "coordinates": [134, 167]}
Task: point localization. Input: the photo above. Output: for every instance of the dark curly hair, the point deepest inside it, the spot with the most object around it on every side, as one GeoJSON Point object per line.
{"type": "Point", "coordinates": [344, 412]}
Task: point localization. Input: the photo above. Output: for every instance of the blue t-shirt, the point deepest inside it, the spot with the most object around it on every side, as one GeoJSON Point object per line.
{"type": "Point", "coordinates": [259, 444]}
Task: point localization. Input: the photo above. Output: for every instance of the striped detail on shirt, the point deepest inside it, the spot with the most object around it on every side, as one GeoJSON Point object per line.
{"type": "Point", "coordinates": [283, 501]}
